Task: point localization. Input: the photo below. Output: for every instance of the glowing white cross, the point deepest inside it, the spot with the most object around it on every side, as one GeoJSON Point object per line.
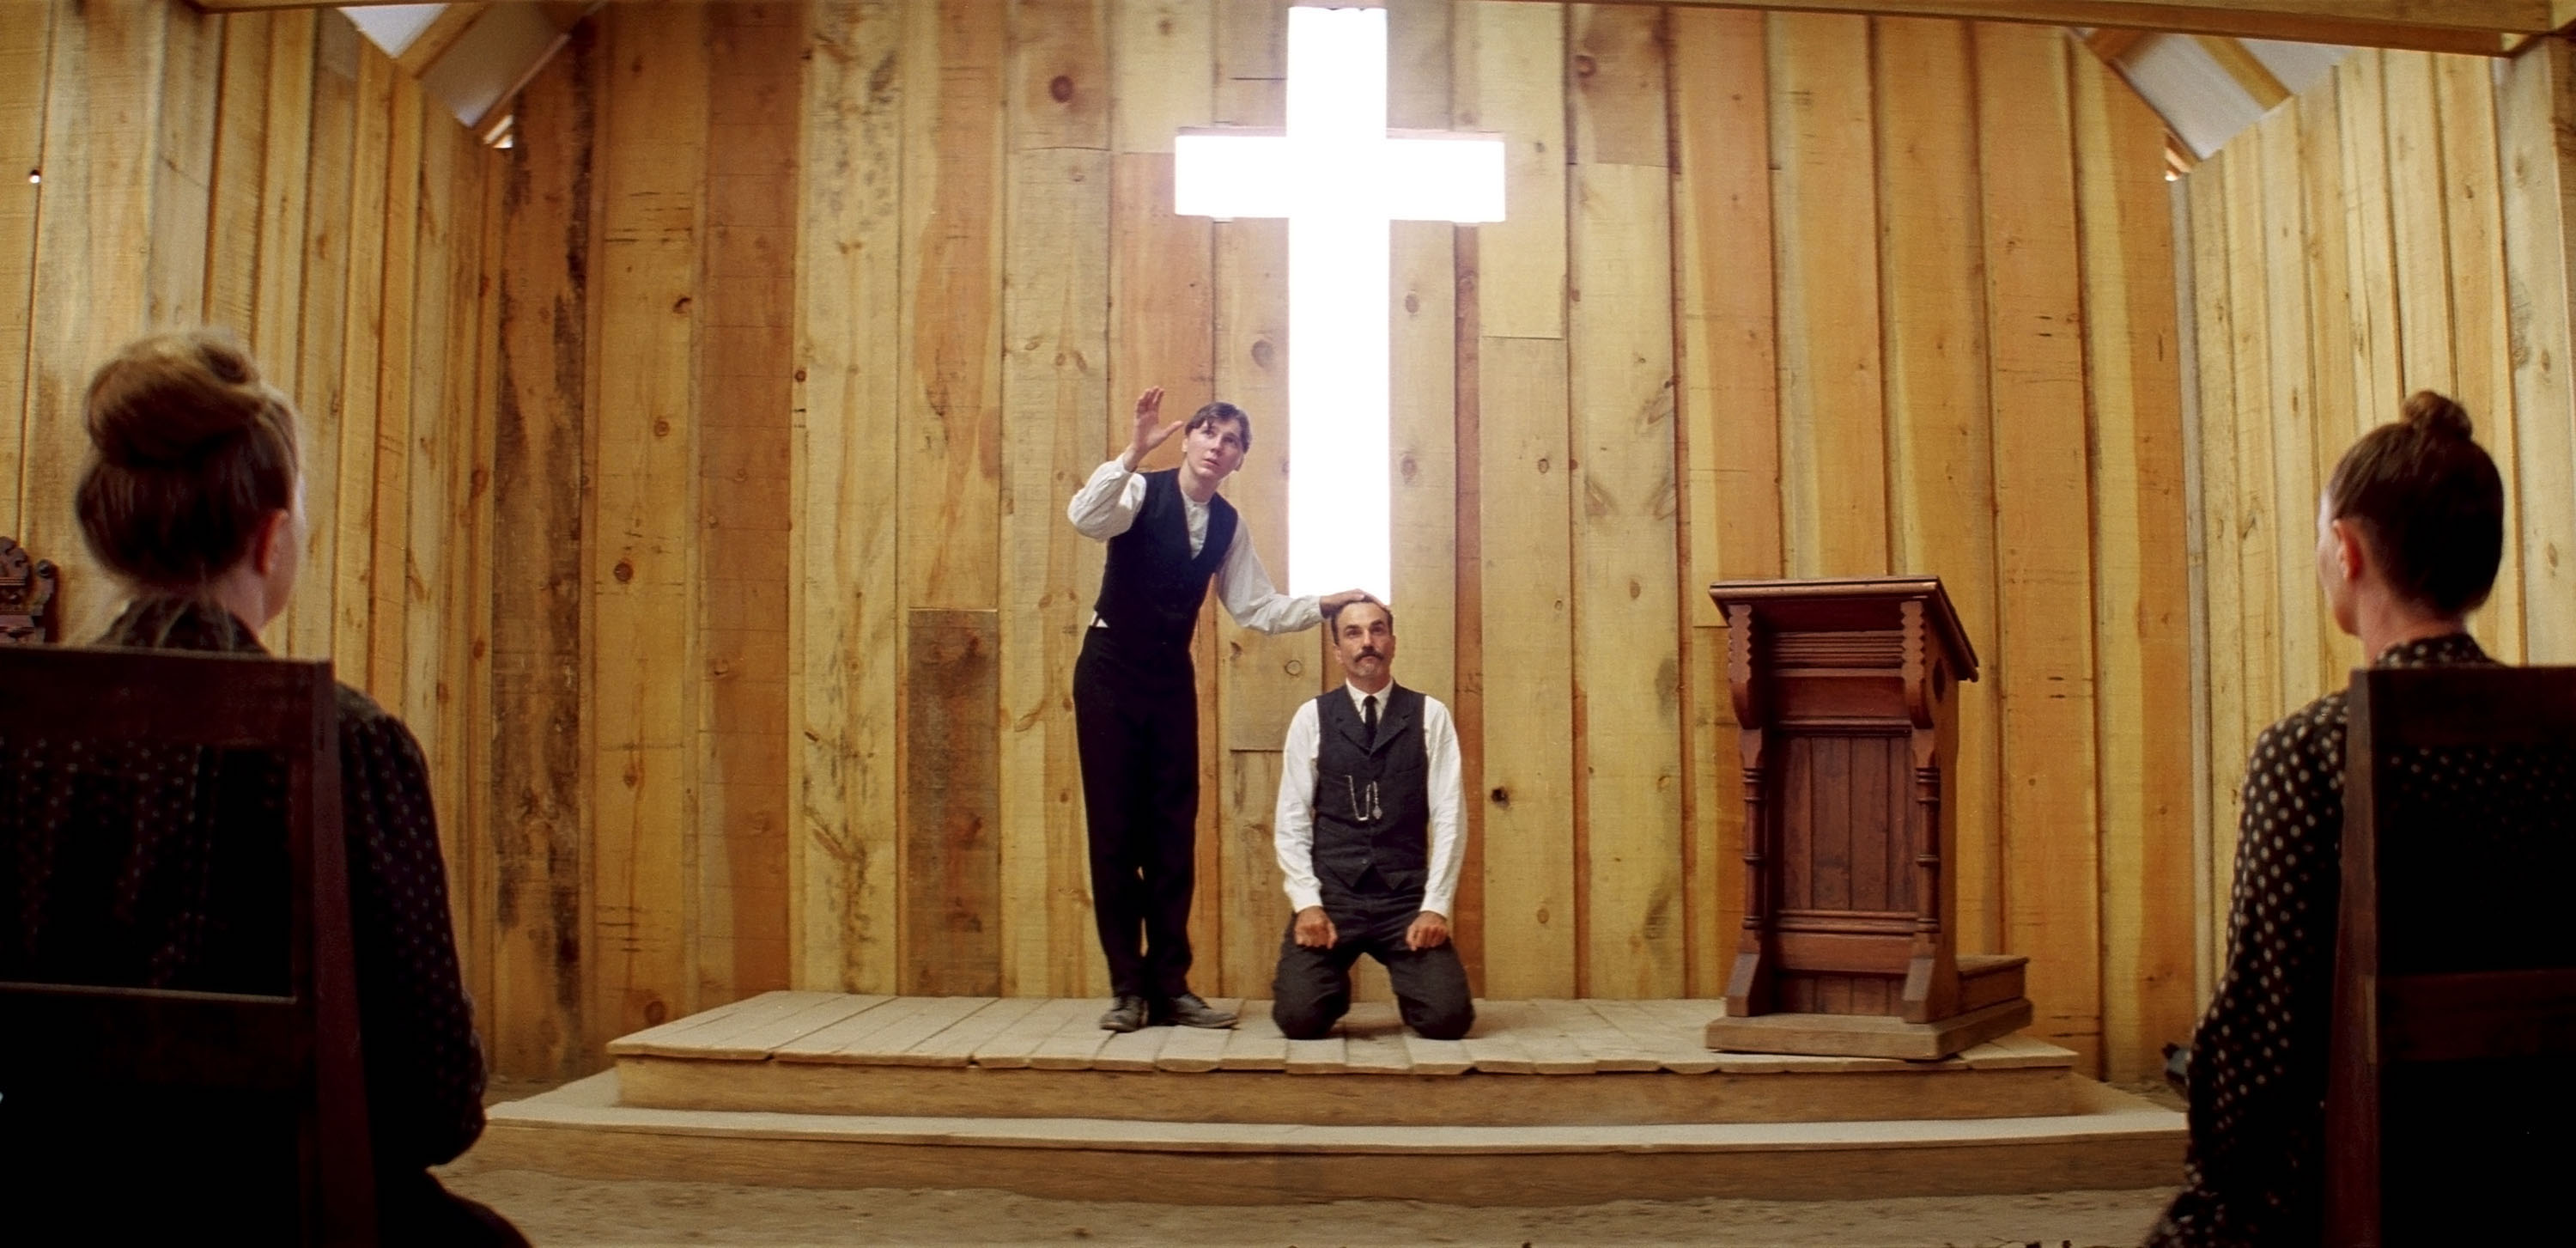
{"type": "Point", "coordinates": [1339, 177]}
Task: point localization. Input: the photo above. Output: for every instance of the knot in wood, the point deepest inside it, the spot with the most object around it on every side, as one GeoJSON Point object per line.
{"type": "Point", "coordinates": [1061, 89]}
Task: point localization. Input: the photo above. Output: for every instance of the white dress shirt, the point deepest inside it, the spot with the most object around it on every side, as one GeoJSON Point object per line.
{"type": "Point", "coordinates": [1293, 824]}
{"type": "Point", "coordinates": [1106, 506]}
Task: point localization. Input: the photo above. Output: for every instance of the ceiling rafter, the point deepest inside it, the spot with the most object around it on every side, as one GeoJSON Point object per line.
{"type": "Point", "coordinates": [2239, 61]}
{"type": "Point", "coordinates": [2489, 27]}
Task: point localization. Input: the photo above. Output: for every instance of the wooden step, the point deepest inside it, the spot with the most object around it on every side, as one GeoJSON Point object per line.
{"type": "Point", "coordinates": [2112, 1140]}
{"type": "Point", "coordinates": [1989, 979]}
{"type": "Point", "coordinates": [1555, 1063]}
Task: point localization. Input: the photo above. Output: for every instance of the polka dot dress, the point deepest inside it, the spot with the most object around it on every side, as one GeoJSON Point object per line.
{"type": "Point", "coordinates": [424, 1069]}
{"type": "Point", "coordinates": [2255, 1166]}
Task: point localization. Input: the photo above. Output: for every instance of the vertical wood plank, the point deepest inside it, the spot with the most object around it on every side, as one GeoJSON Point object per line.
{"type": "Point", "coordinates": [2419, 220]}
{"type": "Point", "coordinates": [843, 604]}
{"type": "Point", "coordinates": [475, 884]}
{"type": "Point", "coordinates": [538, 825]}
{"type": "Point", "coordinates": [2537, 151]}
{"type": "Point", "coordinates": [2330, 295]}
{"type": "Point", "coordinates": [1729, 383]}
{"type": "Point", "coordinates": [2044, 660]}
{"type": "Point", "coordinates": [952, 72]}
{"type": "Point", "coordinates": [241, 142]}
{"type": "Point", "coordinates": [2481, 332]}
{"type": "Point", "coordinates": [745, 395]}
{"type": "Point", "coordinates": [952, 939]}
{"type": "Point", "coordinates": [640, 578]}
{"type": "Point", "coordinates": [1508, 78]}
{"type": "Point", "coordinates": [2207, 197]}
{"type": "Point", "coordinates": [2258, 522]}
{"type": "Point", "coordinates": [1941, 442]}
{"type": "Point", "coordinates": [447, 268]}
{"type": "Point", "coordinates": [285, 157]}
{"type": "Point", "coordinates": [183, 173]}
{"type": "Point", "coordinates": [310, 626]}
{"type": "Point", "coordinates": [1424, 367]}
{"type": "Point", "coordinates": [391, 573]}
{"type": "Point", "coordinates": [103, 92]}
{"type": "Point", "coordinates": [1627, 659]}
{"type": "Point", "coordinates": [2140, 598]}
{"type": "Point", "coordinates": [2361, 95]}
{"type": "Point", "coordinates": [2292, 414]}
{"type": "Point", "coordinates": [25, 47]}
{"type": "Point", "coordinates": [1833, 444]}
{"type": "Point", "coordinates": [1055, 320]}
{"type": "Point", "coordinates": [362, 336]}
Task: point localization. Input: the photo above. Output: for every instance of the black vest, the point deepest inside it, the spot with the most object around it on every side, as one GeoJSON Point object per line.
{"type": "Point", "coordinates": [1151, 590]}
{"type": "Point", "coordinates": [1372, 798]}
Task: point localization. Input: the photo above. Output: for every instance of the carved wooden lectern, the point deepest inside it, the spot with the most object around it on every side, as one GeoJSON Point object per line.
{"type": "Point", "coordinates": [1843, 697]}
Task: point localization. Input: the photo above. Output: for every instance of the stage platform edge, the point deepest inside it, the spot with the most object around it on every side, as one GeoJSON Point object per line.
{"type": "Point", "coordinates": [1545, 1103]}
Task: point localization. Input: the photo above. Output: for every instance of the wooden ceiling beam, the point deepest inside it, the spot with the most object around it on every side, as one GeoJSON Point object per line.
{"type": "Point", "coordinates": [2479, 27]}
{"type": "Point", "coordinates": [2256, 77]}
{"type": "Point", "coordinates": [2112, 42]}
{"type": "Point", "coordinates": [449, 26]}
{"type": "Point", "coordinates": [2485, 27]}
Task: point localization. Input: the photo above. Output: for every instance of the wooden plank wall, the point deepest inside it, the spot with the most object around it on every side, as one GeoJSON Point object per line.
{"type": "Point", "coordinates": [1606, 394]}
{"type": "Point", "coordinates": [2399, 226]}
{"type": "Point", "coordinates": [274, 174]}
{"type": "Point", "coordinates": [772, 349]}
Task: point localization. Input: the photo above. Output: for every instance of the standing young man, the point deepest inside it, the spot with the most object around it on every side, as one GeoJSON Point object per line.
{"type": "Point", "coordinates": [1135, 692]}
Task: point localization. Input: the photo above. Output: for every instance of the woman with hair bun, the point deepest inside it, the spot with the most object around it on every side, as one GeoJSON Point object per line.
{"type": "Point", "coordinates": [2409, 533]}
{"type": "Point", "coordinates": [193, 496]}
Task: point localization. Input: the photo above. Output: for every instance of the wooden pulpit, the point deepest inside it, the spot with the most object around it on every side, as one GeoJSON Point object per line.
{"type": "Point", "coordinates": [1844, 695]}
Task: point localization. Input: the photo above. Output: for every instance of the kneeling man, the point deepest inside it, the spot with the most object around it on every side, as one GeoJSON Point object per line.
{"type": "Point", "coordinates": [1370, 830]}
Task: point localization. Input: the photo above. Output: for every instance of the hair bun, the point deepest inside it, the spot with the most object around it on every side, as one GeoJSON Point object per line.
{"type": "Point", "coordinates": [171, 399]}
{"type": "Point", "coordinates": [2436, 414]}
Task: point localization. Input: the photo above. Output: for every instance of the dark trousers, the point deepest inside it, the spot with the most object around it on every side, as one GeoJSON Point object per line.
{"type": "Point", "coordinates": [1136, 719]}
{"type": "Point", "coordinates": [1312, 990]}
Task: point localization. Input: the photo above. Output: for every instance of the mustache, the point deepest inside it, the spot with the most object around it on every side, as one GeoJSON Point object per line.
{"type": "Point", "coordinates": [1370, 653]}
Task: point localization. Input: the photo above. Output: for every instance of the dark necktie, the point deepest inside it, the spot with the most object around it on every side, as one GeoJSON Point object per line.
{"type": "Point", "coordinates": [1368, 716]}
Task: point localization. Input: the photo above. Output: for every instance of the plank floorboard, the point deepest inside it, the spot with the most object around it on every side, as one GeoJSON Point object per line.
{"type": "Point", "coordinates": [887, 1047]}
{"type": "Point", "coordinates": [1328, 1056]}
{"type": "Point", "coordinates": [1012, 1048]}
{"type": "Point", "coordinates": [1255, 1043]}
{"type": "Point", "coordinates": [827, 1044]}
{"type": "Point", "coordinates": [756, 1041]}
{"type": "Point", "coordinates": [1192, 1050]}
{"type": "Point", "coordinates": [1134, 1050]}
{"type": "Point", "coordinates": [956, 1044]}
{"type": "Point", "coordinates": [1072, 1045]}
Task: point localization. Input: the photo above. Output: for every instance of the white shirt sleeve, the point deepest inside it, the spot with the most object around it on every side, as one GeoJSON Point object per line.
{"type": "Point", "coordinates": [1244, 586]}
{"type": "Point", "coordinates": [1448, 808]}
{"type": "Point", "coordinates": [1107, 504]}
{"type": "Point", "coordinates": [1293, 822]}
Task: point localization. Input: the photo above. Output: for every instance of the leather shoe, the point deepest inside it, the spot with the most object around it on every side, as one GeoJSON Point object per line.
{"type": "Point", "coordinates": [1125, 1014]}
{"type": "Point", "coordinates": [1187, 1010]}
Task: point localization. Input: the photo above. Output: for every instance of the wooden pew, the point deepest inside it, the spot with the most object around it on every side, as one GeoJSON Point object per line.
{"type": "Point", "coordinates": [178, 1020]}
{"type": "Point", "coordinates": [2448, 1109]}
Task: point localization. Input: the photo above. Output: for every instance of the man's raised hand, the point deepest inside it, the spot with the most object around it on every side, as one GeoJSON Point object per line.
{"type": "Point", "coordinates": [1334, 602]}
{"type": "Point", "coordinates": [1149, 432]}
{"type": "Point", "coordinates": [1315, 928]}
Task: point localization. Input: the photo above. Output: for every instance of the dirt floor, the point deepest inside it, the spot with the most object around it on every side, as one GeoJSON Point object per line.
{"type": "Point", "coordinates": [559, 1212]}
{"type": "Point", "coordinates": [581, 1213]}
